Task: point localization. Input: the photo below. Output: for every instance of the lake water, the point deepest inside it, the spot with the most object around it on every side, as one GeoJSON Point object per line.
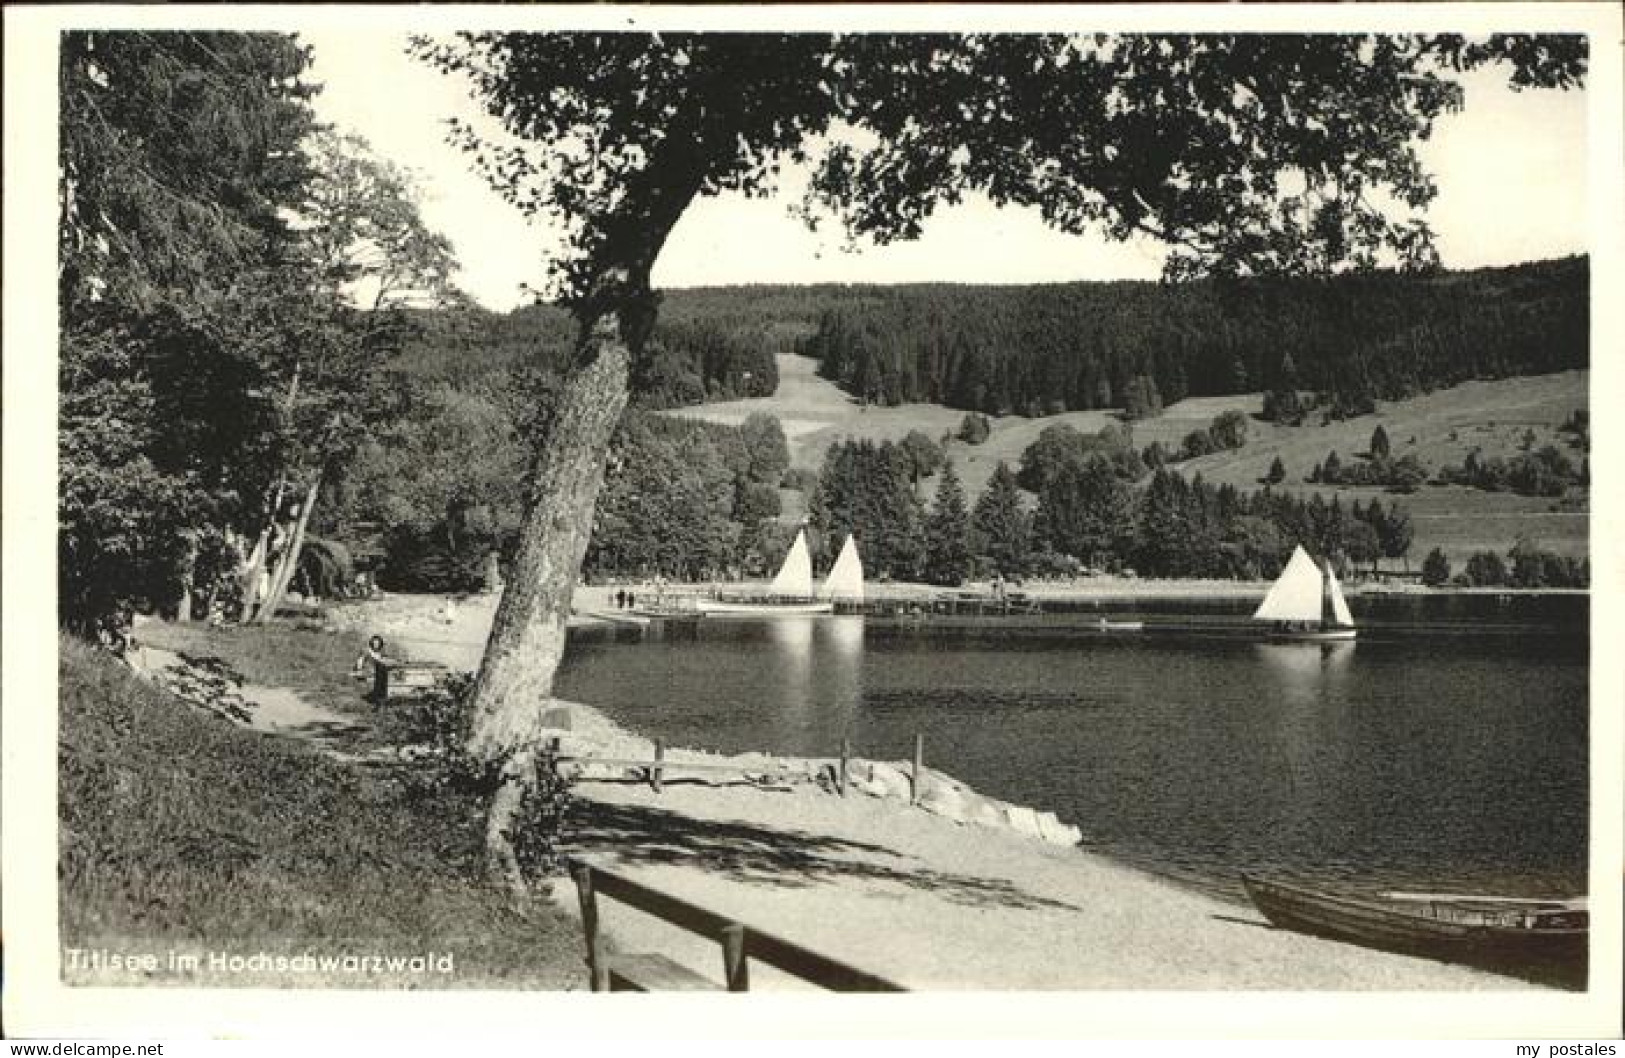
{"type": "Point", "coordinates": [1446, 749]}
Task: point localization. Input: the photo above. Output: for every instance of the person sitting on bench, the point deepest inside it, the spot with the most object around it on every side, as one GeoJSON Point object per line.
{"type": "Point", "coordinates": [367, 662]}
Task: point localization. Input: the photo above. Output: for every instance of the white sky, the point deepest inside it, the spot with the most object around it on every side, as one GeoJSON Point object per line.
{"type": "Point", "coordinates": [1510, 167]}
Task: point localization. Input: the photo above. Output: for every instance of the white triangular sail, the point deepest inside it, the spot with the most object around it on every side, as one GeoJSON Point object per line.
{"type": "Point", "coordinates": [845, 580]}
{"type": "Point", "coordinates": [1296, 594]}
{"type": "Point", "coordinates": [1340, 606]}
{"type": "Point", "coordinates": [795, 579]}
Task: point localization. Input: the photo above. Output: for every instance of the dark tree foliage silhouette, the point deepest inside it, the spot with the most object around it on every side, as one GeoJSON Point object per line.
{"type": "Point", "coordinates": [1435, 569]}
{"type": "Point", "coordinates": [1356, 336]}
{"type": "Point", "coordinates": [1087, 511]}
{"type": "Point", "coordinates": [947, 532]}
{"type": "Point", "coordinates": [864, 490]}
{"type": "Point", "coordinates": [178, 278]}
{"type": "Point", "coordinates": [1001, 527]}
{"type": "Point", "coordinates": [1190, 139]}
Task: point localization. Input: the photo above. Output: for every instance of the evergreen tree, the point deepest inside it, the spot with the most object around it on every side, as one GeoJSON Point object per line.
{"type": "Point", "coordinates": [1165, 530]}
{"type": "Point", "coordinates": [1528, 565]}
{"type": "Point", "coordinates": [1229, 429]}
{"type": "Point", "coordinates": [974, 428]}
{"type": "Point", "coordinates": [1277, 472]}
{"type": "Point", "coordinates": [1001, 526]}
{"type": "Point", "coordinates": [947, 533]}
{"type": "Point", "coordinates": [864, 489]}
{"type": "Point", "coordinates": [1486, 569]}
{"type": "Point", "coordinates": [1287, 373]}
{"type": "Point", "coordinates": [182, 284]}
{"type": "Point", "coordinates": [1435, 569]}
{"type": "Point", "coordinates": [1361, 544]}
{"type": "Point", "coordinates": [1379, 443]}
{"type": "Point", "coordinates": [1087, 511]}
{"type": "Point", "coordinates": [766, 448]}
{"type": "Point", "coordinates": [1395, 532]}
{"type": "Point", "coordinates": [1141, 399]}
{"type": "Point", "coordinates": [1239, 378]}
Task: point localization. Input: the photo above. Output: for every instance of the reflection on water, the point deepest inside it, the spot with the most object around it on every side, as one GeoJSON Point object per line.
{"type": "Point", "coordinates": [792, 639]}
{"type": "Point", "coordinates": [1416, 759]}
{"type": "Point", "coordinates": [1305, 671]}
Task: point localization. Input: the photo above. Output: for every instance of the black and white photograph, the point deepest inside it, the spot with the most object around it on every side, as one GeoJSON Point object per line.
{"type": "Point", "coordinates": [1077, 503]}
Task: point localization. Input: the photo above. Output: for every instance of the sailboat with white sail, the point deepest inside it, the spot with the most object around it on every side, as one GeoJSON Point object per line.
{"type": "Point", "coordinates": [1306, 603]}
{"type": "Point", "coordinates": [845, 580]}
{"type": "Point", "coordinates": [791, 591]}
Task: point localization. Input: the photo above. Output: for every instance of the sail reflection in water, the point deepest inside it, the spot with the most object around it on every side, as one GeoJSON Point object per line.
{"type": "Point", "coordinates": [792, 640]}
{"type": "Point", "coordinates": [1303, 671]}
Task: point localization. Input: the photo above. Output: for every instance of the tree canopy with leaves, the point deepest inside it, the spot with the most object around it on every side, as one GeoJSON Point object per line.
{"type": "Point", "coordinates": [214, 363]}
{"type": "Point", "coordinates": [180, 157]}
{"type": "Point", "coordinates": [1246, 154]}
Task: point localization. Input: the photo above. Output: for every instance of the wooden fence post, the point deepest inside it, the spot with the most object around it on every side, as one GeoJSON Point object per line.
{"type": "Point", "coordinates": [846, 756]}
{"type": "Point", "coordinates": [597, 965]}
{"type": "Point", "coordinates": [919, 762]}
{"type": "Point", "coordinates": [655, 772]}
{"type": "Point", "coordinates": [734, 964]}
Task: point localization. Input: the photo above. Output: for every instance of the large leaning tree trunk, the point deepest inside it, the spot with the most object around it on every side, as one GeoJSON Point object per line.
{"type": "Point", "coordinates": [615, 314]}
{"type": "Point", "coordinates": [515, 682]}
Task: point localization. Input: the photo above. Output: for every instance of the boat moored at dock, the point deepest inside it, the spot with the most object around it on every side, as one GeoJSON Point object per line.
{"type": "Point", "coordinates": [791, 592]}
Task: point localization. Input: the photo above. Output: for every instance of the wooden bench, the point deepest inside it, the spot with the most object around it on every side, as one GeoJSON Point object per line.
{"type": "Point", "coordinates": [655, 973]}
{"type": "Point", "coordinates": [405, 679]}
{"type": "Point", "coordinates": [740, 943]}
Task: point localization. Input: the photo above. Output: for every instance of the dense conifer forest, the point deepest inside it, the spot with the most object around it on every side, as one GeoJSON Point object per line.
{"type": "Point", "coordinates": [1040, 350]}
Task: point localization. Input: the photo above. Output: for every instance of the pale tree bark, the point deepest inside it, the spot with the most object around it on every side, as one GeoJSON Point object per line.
{"type": "Point", "coordinates": [183, 600]}
{"type": "Point", "coordinates": [515, 683]}
{"type": "Point", "coordinates": [250, 577]}
{"type": "Point", "coordinates": [290, 555]}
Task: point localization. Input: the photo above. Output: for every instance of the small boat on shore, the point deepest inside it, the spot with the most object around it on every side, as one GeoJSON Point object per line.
{"type": "Point", "coordinates": [1306, 603]}
{"type": "Point", "coordinates": [1495, 932]}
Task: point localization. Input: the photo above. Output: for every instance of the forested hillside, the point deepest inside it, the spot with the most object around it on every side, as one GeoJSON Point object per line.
{"type": "Point", "coordinates": [444, 479]}
{"type": "Point", "coordinates": [694, 356]}
{"type": "Point", "coordinates": [1039, 350]}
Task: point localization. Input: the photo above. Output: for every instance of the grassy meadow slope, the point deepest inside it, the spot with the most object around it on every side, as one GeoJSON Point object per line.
{"type": "Point", "coordinates": [181, 832]}
{"type": "Point", "coordinates": [1439, 427]}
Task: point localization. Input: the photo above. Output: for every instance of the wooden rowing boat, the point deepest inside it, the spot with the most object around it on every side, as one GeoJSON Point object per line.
{"type": "Point", "coordinates": [1501, 933]}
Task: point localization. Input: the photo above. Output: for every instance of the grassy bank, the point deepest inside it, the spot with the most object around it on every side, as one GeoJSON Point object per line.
{"type": "Point", "coordinates": [181, 833]}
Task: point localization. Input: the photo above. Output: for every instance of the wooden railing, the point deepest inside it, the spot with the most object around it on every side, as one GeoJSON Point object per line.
{"type": "Point", "coordinates": [739, 944]}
